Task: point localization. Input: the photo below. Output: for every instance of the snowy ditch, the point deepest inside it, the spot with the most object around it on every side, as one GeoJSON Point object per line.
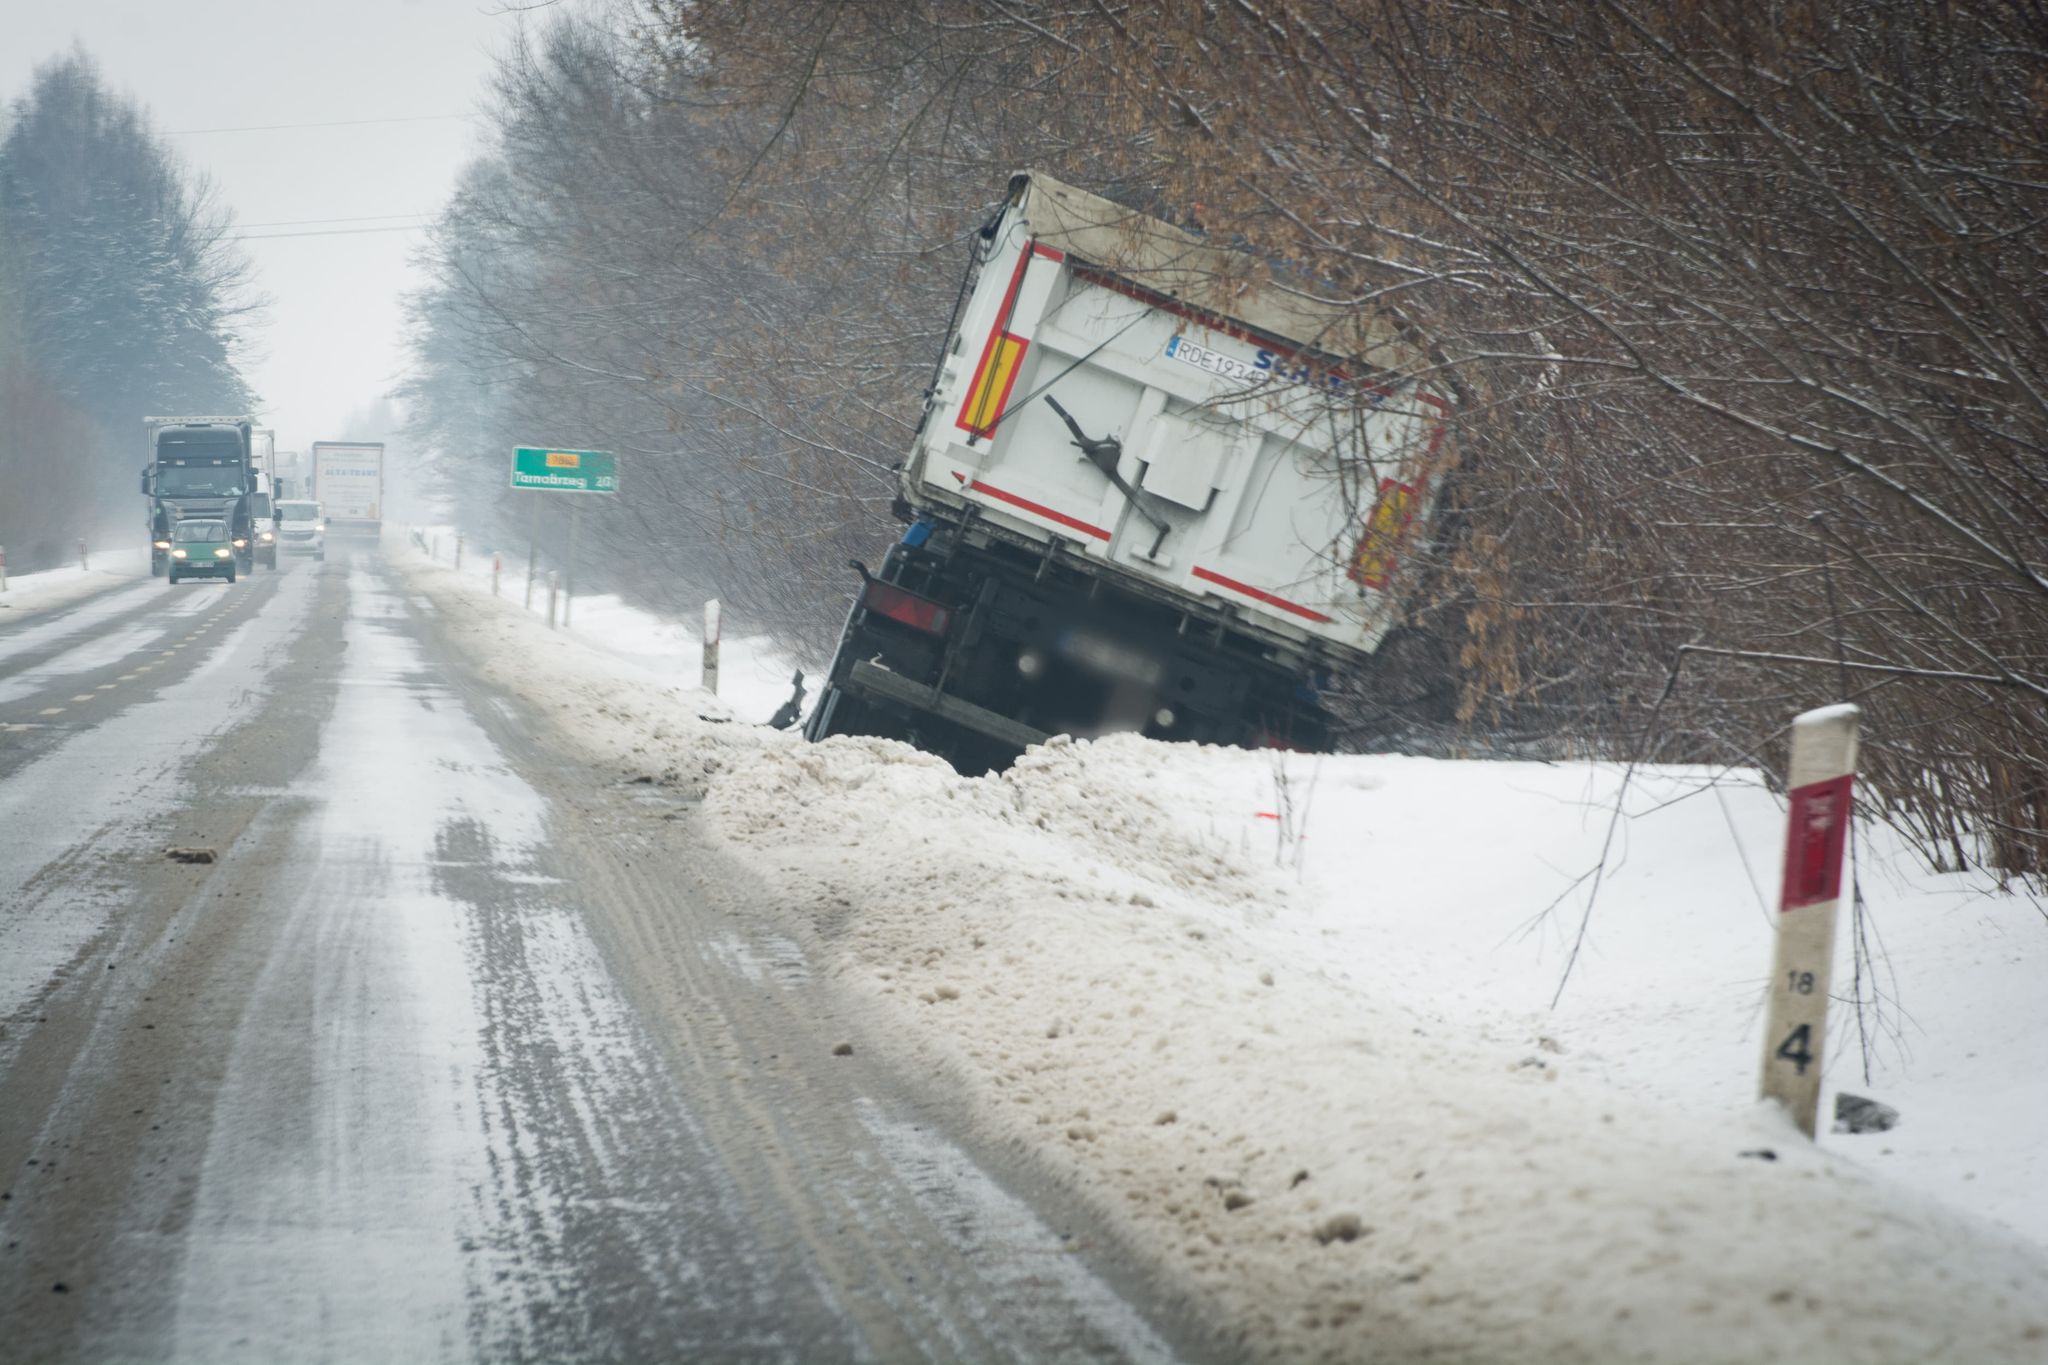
{"type": "Point", "coordinates": [1287, 1028]}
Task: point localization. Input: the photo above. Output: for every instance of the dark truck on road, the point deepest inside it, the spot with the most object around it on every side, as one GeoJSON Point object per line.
{"type": "Point", "coordinates": [200, 467]}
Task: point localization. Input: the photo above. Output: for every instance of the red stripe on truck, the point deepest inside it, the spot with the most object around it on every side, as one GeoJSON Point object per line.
{"type": "Point", "coordinates": [1036, 509]}
{"type": "Point", "coordinates": [1259, 595]}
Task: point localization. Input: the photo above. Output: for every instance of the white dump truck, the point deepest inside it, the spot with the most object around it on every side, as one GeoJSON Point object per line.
{"type": "Point", "coordinates": [1153, 490]}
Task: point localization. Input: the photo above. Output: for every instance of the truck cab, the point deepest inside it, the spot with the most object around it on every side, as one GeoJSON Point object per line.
{"type": "Point", "coordinates": [200, 468]}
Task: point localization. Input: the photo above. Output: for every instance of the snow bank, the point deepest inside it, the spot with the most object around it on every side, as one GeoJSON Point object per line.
{"type": "Point", "coordinates": [32, 593]}
{"type": "Point", "coordinates": [1315, 1079]}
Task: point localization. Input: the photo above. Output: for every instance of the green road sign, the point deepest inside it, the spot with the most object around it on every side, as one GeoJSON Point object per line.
{"type": "Point", "coordinates": [564, 471]}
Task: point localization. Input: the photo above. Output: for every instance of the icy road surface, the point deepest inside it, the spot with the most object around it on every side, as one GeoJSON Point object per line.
{"type": "Point", "coordinates": [430, 1062]}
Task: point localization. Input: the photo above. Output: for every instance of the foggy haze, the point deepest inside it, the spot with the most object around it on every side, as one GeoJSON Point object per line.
{"type": "Point", "coordinates": [330, 341]}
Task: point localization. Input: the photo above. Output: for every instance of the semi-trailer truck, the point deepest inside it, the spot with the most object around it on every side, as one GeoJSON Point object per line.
{"type": "Point", "coordinates": [1153, 489]}
{"type": "Point", "coordinates": [348, 483]}
{"type": "Point", "coordinates": [198, 467]}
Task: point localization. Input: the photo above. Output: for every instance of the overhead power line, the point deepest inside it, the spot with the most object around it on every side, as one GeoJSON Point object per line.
{"type": "Point", "coordinates": [323, 232]}
{"type": "Point", "coordinates": [338, 123]}
{"type": "Point", "coordinates": [307, 222]}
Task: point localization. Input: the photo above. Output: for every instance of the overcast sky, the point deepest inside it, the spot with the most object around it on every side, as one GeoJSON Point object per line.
{"type": "Point", "coordinates": [333, 338]}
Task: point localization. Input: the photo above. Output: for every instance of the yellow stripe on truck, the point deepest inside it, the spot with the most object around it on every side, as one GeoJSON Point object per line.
{"type": "Point", "coordinates": [992, 383]}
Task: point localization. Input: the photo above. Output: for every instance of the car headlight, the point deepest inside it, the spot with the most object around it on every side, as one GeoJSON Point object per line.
{"type": "Point", "coordinates": [161, 544]}
{"type": "Point", "coordinates": [177, 554]}
{"type": "Point", "coordinates": [222, 553]}
{"type": "Point", "coordinates": [266, 535]}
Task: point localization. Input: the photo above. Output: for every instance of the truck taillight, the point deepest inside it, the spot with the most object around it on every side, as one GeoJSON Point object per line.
{"type": "Point", "coordinates": [919, 613]}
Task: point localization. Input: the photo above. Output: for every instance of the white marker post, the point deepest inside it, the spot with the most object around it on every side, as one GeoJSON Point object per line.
{"type": "Point", "coordinates": [711, 646]}
{"type": "Point", "coordinates": [1819, 782]}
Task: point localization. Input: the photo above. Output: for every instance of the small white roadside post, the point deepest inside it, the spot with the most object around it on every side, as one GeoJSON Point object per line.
{"type": "Point", "coordinates": [711, 646]}
{"type": "Point", "coordinates": [554, 587]}
{"type": "Point", "coordinates": [497, 564]}
{"type": "Point", "coordinates": [458, 550]}
{"type": "Point", "coordinates": [1819, 782]}
{"type": "Point", "coordinates": [569, 569]}
{"type": "Point", "coordinates": [532, 552]}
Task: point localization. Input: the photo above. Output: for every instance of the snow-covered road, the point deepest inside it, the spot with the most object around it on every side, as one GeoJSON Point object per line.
{"type": "Point", "coordinates": [440, 1057]}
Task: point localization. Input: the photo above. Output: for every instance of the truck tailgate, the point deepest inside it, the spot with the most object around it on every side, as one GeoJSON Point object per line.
{"type": "Point", "coordinates": [1267, 476]}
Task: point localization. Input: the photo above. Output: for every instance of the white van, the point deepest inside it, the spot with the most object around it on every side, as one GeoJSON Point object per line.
{"type": "Point", "coordinates": [302, 528]}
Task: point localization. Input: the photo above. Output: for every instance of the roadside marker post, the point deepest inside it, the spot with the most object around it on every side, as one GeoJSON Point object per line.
{"type": "Point", "coordinates": [83, 567]}
{"type": "Point", "coordinates": [1819, 782]}
{"type": "Point", "coordinates": [458, 549]}
{"type": "Point", "coordinates": [497, 565]}
{"type": "Point", "coordinates": [711, 614]}
{"type": "Point", "coordinates": [554, 585]}
{"type": "Point", "coordinates": [3, 568]}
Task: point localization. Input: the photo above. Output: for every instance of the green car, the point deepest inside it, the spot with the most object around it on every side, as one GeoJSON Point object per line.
{"type": "Point", "coordinates": [201, 549]}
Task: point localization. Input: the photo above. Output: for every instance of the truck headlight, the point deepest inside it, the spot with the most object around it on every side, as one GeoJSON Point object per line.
{"type": "Point", "coordinates": [240, 544]}
{"type": "Point", "coordinates": [161, 544]}
{"type": "Point", "coordinates": [177, 554]}
{"type": "Point", "coordinates": [222, 553]}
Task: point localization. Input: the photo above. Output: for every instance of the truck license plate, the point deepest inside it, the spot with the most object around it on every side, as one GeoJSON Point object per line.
{"type": "Point", "coordinates": [1107, 656]}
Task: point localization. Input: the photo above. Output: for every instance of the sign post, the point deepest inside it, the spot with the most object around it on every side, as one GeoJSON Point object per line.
{"type": "Point", "coordinates": [1819, 781]}
{"type": "Point", "coordinates": [569, 573]}
{"type": "Point", "coordinates": [710, 679]}
{"type": "Point", "coordinates": [532, 552]}
{"type": "Point", "coordinates": [536, 469]}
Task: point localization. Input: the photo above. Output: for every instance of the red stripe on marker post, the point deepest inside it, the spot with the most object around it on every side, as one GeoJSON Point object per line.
{"type": "Point", "coordinates": [1817, 831]}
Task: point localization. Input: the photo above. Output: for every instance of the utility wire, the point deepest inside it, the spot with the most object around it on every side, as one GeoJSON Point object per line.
{"type": "Point", "coordinates": [338, 123]}
{"type": "Point", "coordinates": [361, 218]}
{"type": "Point", "coordinates": [324, 232]}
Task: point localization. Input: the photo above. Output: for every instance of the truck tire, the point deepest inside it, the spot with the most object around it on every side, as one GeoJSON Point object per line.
{"type": "Point", "coordinates": [231, 575]}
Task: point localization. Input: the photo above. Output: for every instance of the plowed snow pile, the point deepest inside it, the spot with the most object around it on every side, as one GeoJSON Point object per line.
{"type": "Point", "coordinates": [1317, 1077]}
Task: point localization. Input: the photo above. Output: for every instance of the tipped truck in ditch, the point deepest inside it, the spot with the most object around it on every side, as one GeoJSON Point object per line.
{"type": "Point", "coordinates": [1152, 491]}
